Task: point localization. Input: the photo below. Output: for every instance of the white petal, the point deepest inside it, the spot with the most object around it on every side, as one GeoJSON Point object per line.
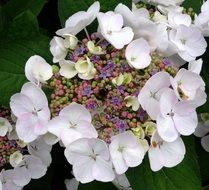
{"type": "Point", "coordinates": [21, 104]}
{"type": "Point", "coordinates": [102, 170]}
{"type": "Point", "coordinates": [71, 184]}
{"type": "Point", "coordinates": [138, 54]}
{"type": "Point", "coordinates": [201, 130]}
{"type": "Point", "coordinates": [156, 162]}
{"type": "Point", "coordinates": [25, 128]}
{"type": "Point", "coordinates": [35, 93]}
{"type": "Point", "coordinates": [186, 125]}
{"type": "Point", "coordinates": [173, 152]}
{"type": "Point", "coordinates": [166, 128]}
{"type": "Point", "coordinates": [35, 167]}
{"type": "Point", "coordinates": [76, 112]}
{"type": "Point", "coordinates": [195, 66]}
{"type": "Point", "coordinates": [21, 176]}
{"type": "Point", "coordinates": [68, 70]}
{"type": "Point", "coordinates": [205, 143]}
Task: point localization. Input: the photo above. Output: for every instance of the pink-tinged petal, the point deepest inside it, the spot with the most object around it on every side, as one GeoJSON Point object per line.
{"type": "Point", "coordinates": [186, 125]}
{"type": "Point", "coordinates": [152, 108]}
{"type": "Point", "coordinates": [25, 127]}
{"type": "Point", "coordinates": [76, 112]}
{"type": "Point", "coordinates": [35, 167]}
{"type": "Point", "coordinates": [83, 172]}
{"type": "Point", "coordinates": [205, 143]}
{"type": "Point", "coordinates": [21, 104]}
{"type": "Point", "coordinates": [69, 135]}
{"type": "Point", "coordinates": [86, 129]}
{"type": "Point", "coordinates": [184, 108]}
{"type": "Point", "coordinates": [155, 159]}
{"type": "Point", "coordinates": [201, 130]}
{"type": "Point", "coordinates": [102, 170]}
{"type": "Point", "coordinates": [166, 128]}
{"type": "Point", "coordinates": [167, 101]}
{"type": "Point", "coordinates": [57, 125]}
{"type": "Point", "coordinates": [21, 176]}
{"type": "Point", "coordinates": [173, 152]}
{"type": "Point", "coordinates": [35, 94]}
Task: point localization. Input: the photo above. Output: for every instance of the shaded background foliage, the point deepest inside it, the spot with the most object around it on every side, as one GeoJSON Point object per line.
{"type": "Point", "coordinates": [26, 27]}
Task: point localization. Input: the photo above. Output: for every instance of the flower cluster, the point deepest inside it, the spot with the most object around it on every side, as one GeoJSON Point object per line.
{"type": "Point", "coordinates": [114, 96]}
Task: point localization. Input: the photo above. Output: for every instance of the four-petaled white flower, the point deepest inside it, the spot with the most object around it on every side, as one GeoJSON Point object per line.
{"type": "Point", "coordinates": [90, 159]}
{"type": "Point", "coordinates": [138, 54]}
{"type": "Point", "coordinates": [189, 86]}
{"type": "Point", "coordinates": [126, 151]}
{"type": "Point", "coordinates": [189, 42]}
{"type": "Point", "coordinates": [41, 150]}
{"type": "Point", "coordinates": [31, 167]}
{"type": "Point", "coordinates": [80, 20]}
{"type": "Point", "coordinates": [162, 153]}
{"type": "Point", "coordinates": [110, 25]}
{"type": "Point", "coordinates": [30, 106]}
{"type": "Point", "coordinates": [38, 70]}
{"type": "Point", "coordinates": [5, 127]}
{"type": "Point", "coordinates": [176, 117]}
{"type": "Point", "coordinates": [58, 49]}
{"type": "Point", "coordinates": [149, 95]}
{"type": "Point", "coordinates": [73, 122]}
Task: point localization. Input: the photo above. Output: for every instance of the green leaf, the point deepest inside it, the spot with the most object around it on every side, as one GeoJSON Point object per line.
{"type": "Point", "coordinates": [14, 52]}
{"type": "Point", "coordinates": [97, 186]}
{"type": "Point", "coordinates": [185, 176]}
{"type": "Point", "coordinates": [66, 8]}
{"type": "Point", "coordinates": [15, 7]}
{"type": "Point", "coordinates": [195, 4]}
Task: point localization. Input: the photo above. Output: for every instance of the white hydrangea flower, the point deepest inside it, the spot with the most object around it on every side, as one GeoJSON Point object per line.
{"type": "Point", "coordinates": [175, 117]}
{"type": "Point", "coordinates": [149, 95]}
{"type": "Point", "coordinates": [80, 20]}
{"type": "Point", "coordinates": [138, 54]}
{"type": "Point", "coordinates": [126, 151]}
{"type": "Point", "coordinates": [58, 49]}
{"type": "Point", "coordinates": [189, 41]}
{"type": "Point", "coordinates": [165, 154]}
{"type": "Point", "coordinates": [5, 126]}
{"type": "Point", "coordinates": [73, 122]}
{"type": "Point", "coordinates": [38, 70]}
{"type": "Point", "coordinates": [110, 25]}
{"type": "Point", "coordinates": [32, 115]}
{"type": "Point", "coordinates": [165, 3]}
{"type": "Point", "coordinates": [41, 150]}
{"type": "Point", "coordinates": [90, 159]}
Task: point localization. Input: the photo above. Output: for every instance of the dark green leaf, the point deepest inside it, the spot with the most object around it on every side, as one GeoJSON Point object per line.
{"type": "Point", "coordinates": [195, 4]}
{"type": "Point", "coordinates": [14, 52]}
{"type": "Point", "coordinates": [67, 8]}
{"type": "Point", "coordinates": [97, 186]}
{"type": "Point", "coordinates": [185, 176]}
